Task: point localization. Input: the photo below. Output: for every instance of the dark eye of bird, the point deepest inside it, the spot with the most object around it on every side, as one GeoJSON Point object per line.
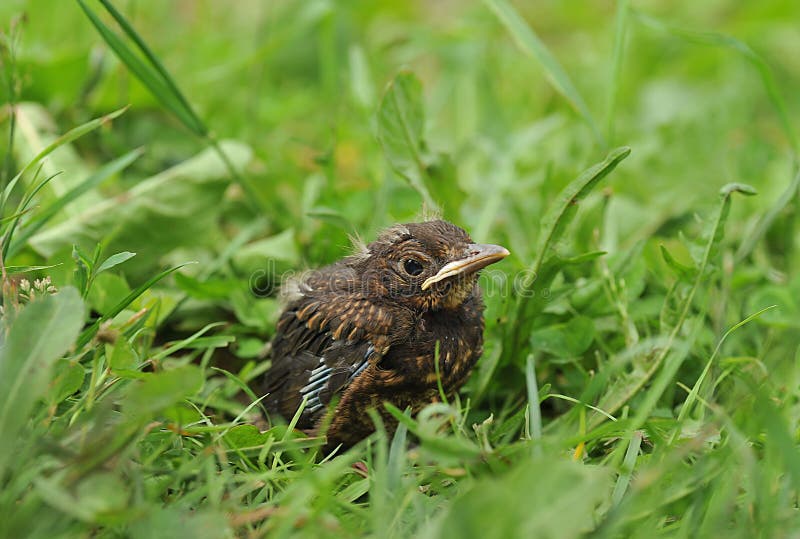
{"type": "Point", "coordinates": [412, 267]}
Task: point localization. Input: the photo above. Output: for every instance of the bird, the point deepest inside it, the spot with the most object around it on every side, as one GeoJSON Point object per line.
{"type": "Point", "coordinates": [371, 327]}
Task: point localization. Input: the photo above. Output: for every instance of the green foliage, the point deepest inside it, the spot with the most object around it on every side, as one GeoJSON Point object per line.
{"type": "Point", "coordinates": [640, 373]}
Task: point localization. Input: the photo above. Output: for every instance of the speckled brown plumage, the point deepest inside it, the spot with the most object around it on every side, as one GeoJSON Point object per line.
{"type": "Point", "coordinates": [364, 330]}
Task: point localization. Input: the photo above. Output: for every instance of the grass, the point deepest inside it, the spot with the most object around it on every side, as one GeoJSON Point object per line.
{"type": "Point", "coordinates": [641, 369]}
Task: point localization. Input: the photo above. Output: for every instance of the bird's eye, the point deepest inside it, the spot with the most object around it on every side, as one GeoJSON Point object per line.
{"type": "Point", "coordinates": [412, 267]}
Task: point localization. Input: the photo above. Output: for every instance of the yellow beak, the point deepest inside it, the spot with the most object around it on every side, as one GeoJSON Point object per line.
{"type": "Point", "coordinates": [478, 256]}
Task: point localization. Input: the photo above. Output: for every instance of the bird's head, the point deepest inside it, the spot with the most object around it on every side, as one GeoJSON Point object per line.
{"type": "Point", "coordinates": [426, 266]}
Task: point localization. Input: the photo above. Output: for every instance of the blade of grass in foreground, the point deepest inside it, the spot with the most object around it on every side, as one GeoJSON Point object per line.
{"type": "Point", "coordinates": [529, 42]}
{"type": "Point", "coordinates": [152, 73]}
{"type": "Point", "coordinates": [534, 411]}
{"type": "Point", "coordinates": [628, 464]}
{"type": "Point", "coordinates": [40, 335]}
{"type": "Point", "coordinates": [157, 65]}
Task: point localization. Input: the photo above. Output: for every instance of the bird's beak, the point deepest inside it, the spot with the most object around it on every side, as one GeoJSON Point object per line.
{"type": "Point", "coordinates": [478, 256]}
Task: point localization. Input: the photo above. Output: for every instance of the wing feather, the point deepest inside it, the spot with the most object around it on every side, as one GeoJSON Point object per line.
{"type": "Point", "coordinates": [319, 348]}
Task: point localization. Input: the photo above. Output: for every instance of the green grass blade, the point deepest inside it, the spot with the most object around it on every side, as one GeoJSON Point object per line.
{"type": "Point", "coordinates": [534, 410]}
{"type": "Point", "coordinates": [13, 270]}
{"type": "Point", "coordinates": [620, 32]}
{"type": "Point", "coordinates": [156, 78]}
{"type": "Point", "coordinates": [66, 138]}
{"type": "Point", "coordinates": [45, 215]}
{"type": "Point", "coordinates": [180, 345]}
{"type": "Point", "coordinates": [628, 464]}
{"type": "Point", "coordinates": [529, 42]}
{"type": "Point", "coordinates": [157, 65]}
{"type": "Point", "coordinates": [144, 72]}
{"type": "Point", "coordinates": [766, 221]}
{"type": "Point", "coordinates": [687, 405]}
{"type": "Point", "coordinates": [553, 226]}
{"type": "Point", "coordinates": [21, 210]}
{"type": "Point", "coordinates": [563, 210]}
{"type": "Point", "coordinates": [9, 45]}
{"type": "Point", "coordinates": [89, 332]}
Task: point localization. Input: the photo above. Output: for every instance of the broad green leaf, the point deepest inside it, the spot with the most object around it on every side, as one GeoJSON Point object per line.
{"type": "Point", "coordinates": [567, 340]}
{"type": "Point", "coordinates": [114, 260]}
{"type": "Point", "coordinates": [164, 522]}
{"type": "Point", "coordinates": [244, 436]}
{"type": "Point", "coordinates": [683, 272]}
{"type": "Point", "coordinates": [67, 379]}
{"type": "Point", "coordinates": [95, 497]}
{"type": "Point", "coordinates": [146, 398]}
{"type": "Point", "coordinates": [40, 335]}
{"type": "Point", "coordinates": [210, 289]}
{"type": "Point", "coordinates": [261, 314]}
{"type": "Point", "coordinates": [262, 253]}
{"type": "Point", "coordinates": [121, 355]}
{"type": "Point", "coordinates": [541, 497]}
{"type": "Point", "coordinates": [401, 123]}
{"type": "Point", "coordinates": [177, 208]}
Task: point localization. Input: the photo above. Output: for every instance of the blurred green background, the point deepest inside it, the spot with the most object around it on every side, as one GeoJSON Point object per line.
{"type": "Point", "coordinates": [704, 94]}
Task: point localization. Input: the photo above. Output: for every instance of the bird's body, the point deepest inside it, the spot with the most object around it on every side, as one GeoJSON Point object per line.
{"type": "Point", "coordinates": [364, 330]}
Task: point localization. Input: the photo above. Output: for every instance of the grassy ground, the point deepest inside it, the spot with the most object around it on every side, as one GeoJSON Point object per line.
{"type": "Point", "coordinates": [641, 367]}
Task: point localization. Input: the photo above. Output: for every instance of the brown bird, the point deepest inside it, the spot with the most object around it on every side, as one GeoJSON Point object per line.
{"type": "Point", "coordinates": [364, 330]}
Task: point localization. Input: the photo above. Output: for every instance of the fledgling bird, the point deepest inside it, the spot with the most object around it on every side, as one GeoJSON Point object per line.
{"type": "Point", "coordinates": [364, 330]}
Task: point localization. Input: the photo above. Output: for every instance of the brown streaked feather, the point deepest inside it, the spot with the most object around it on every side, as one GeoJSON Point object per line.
{"type": "Point", "coordinates": [313, 333]}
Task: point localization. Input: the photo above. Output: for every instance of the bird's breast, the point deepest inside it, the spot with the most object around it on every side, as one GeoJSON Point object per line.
{"type": "Point", "coordinates": [442, 345]}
